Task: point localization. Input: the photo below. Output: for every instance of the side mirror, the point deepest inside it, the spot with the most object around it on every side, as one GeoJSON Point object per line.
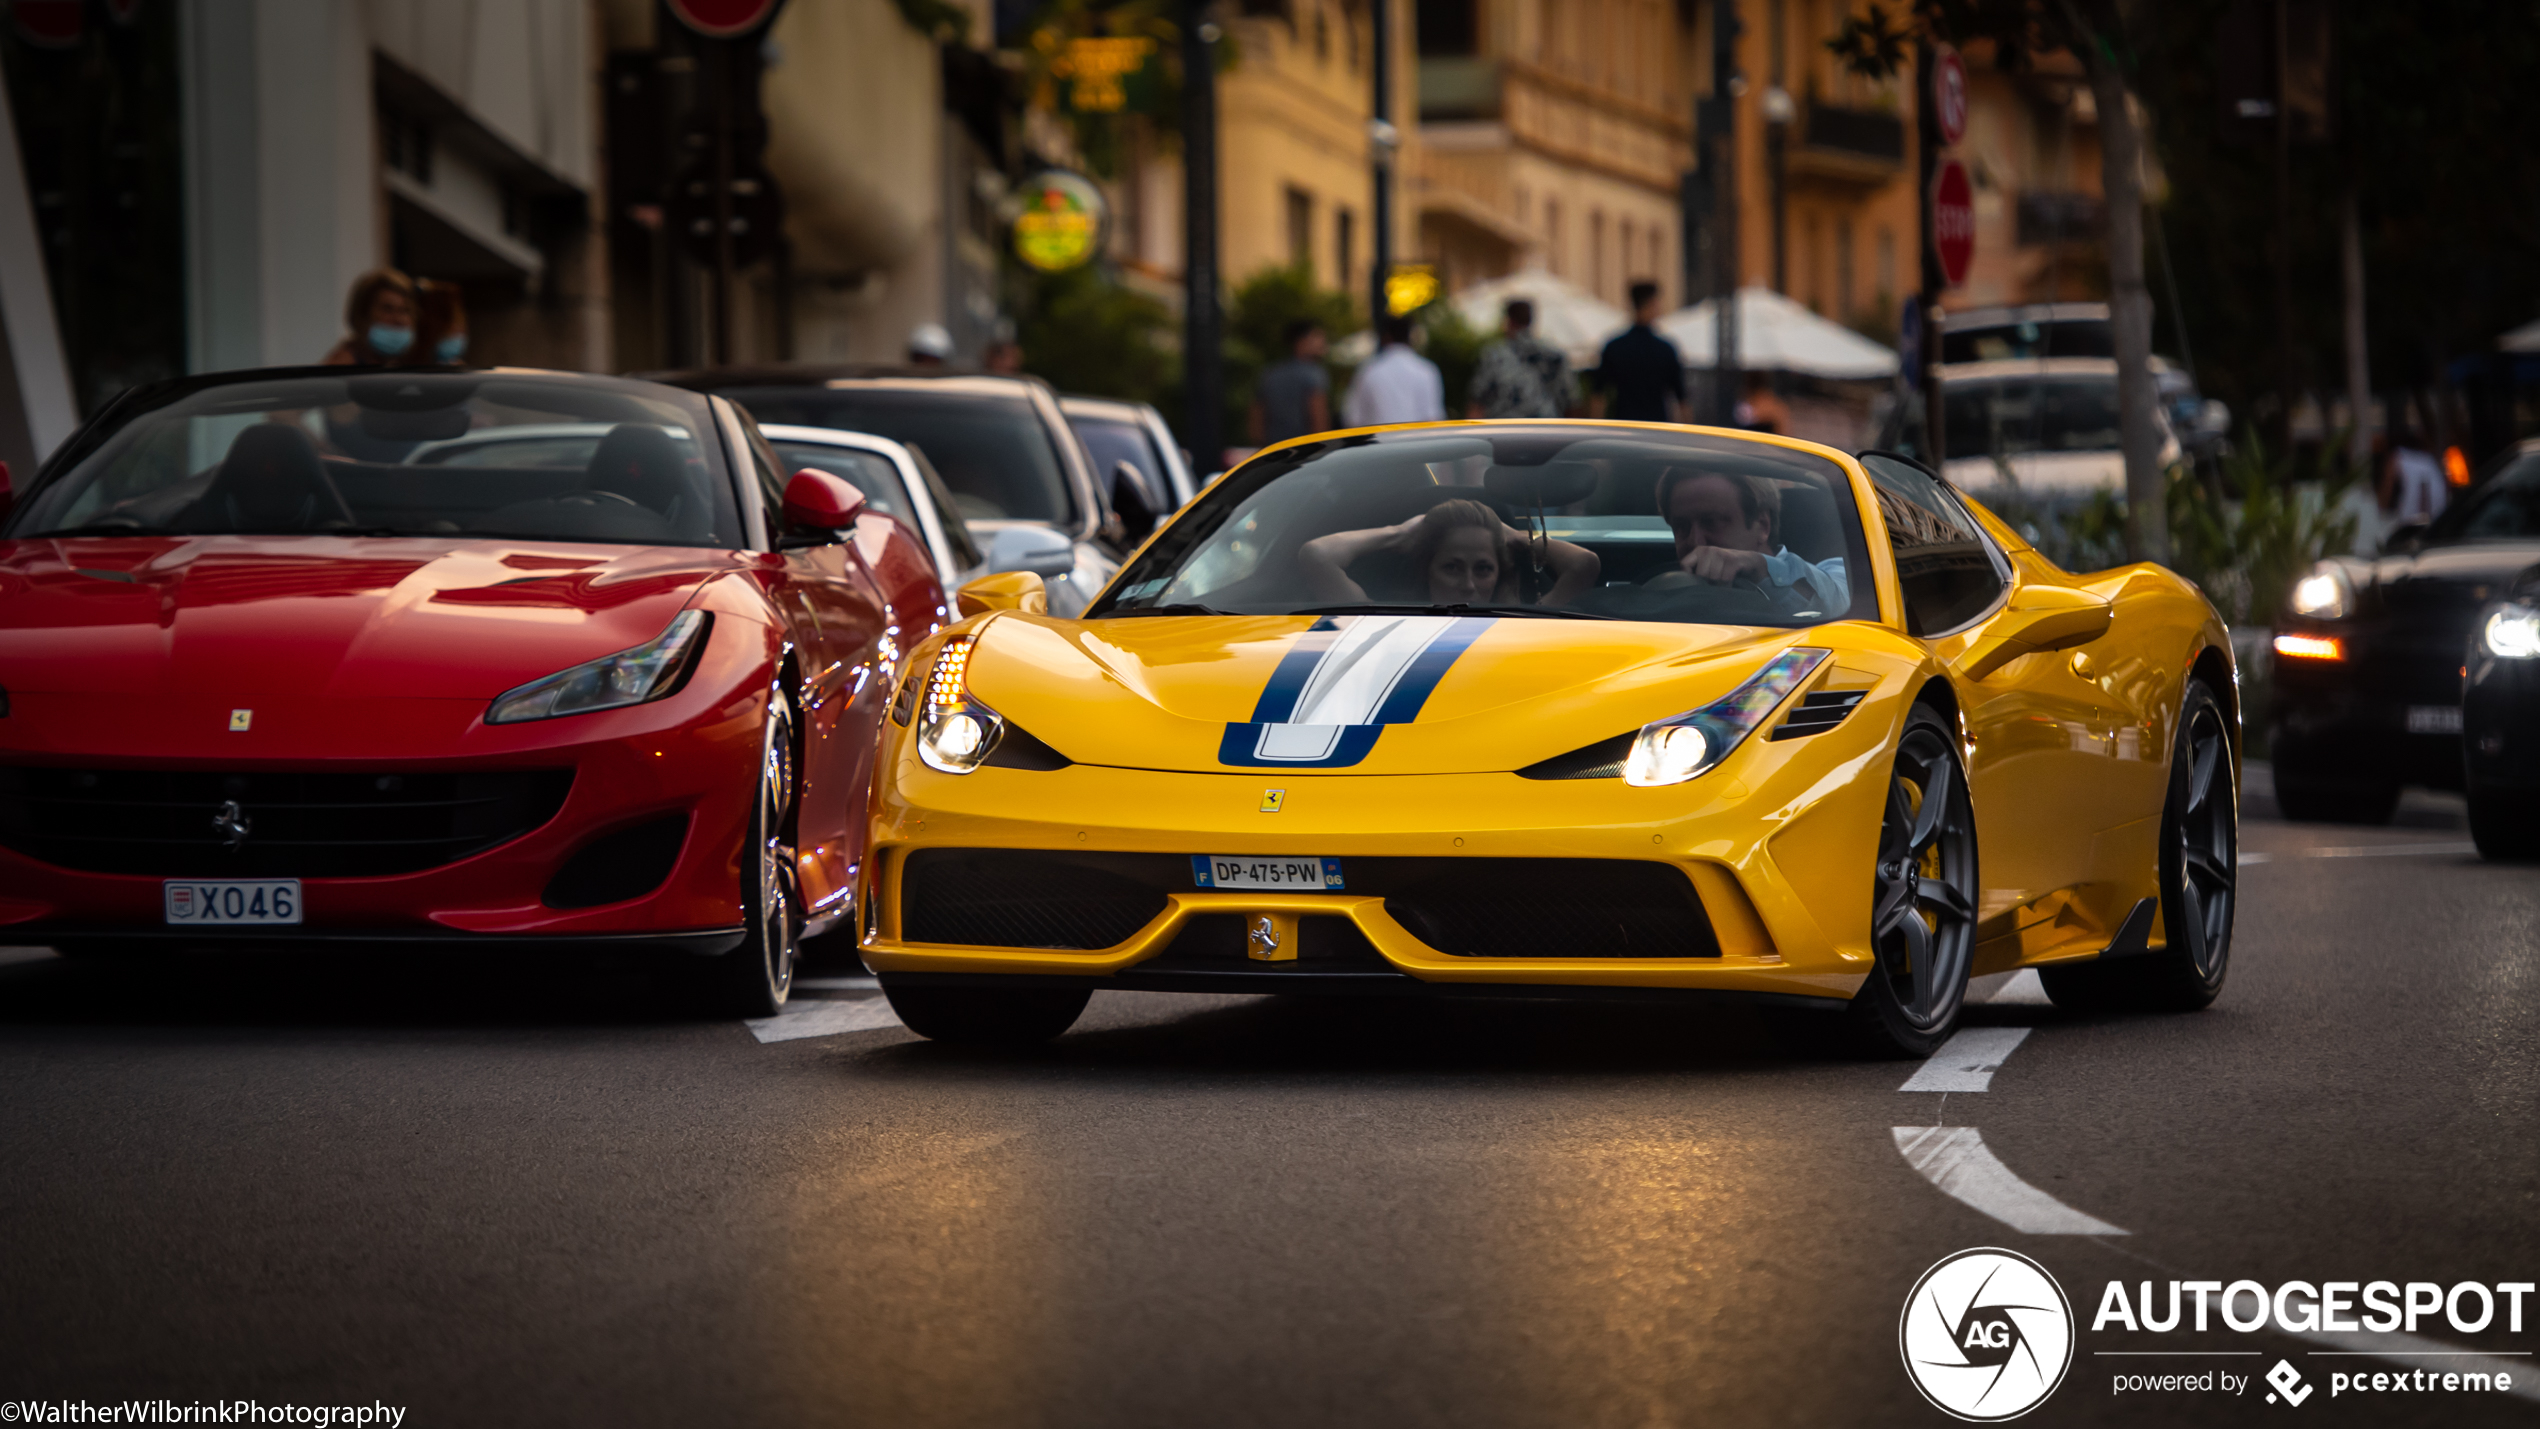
{"type": "Point", "coordinates": [1036, 549]}
{"type": "Point", "coordinates": [2038, 618]}
{"type": "Point", "coordinates": [1129, 499]}
{"type": "Point", "coordinates": [819, 501]}
{"type": "Point", "coordinates": [1007, 590]}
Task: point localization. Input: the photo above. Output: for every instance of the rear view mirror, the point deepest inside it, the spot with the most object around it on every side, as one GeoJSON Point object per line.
{"type": "Point", "coordinates": [1550, 485]}
{"type": "Point", "coordinates": [1036, 549]}
{"type": "Point", "coordinates": [1010, 590]}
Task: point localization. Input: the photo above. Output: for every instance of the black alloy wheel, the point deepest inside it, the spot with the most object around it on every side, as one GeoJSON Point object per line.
{"type": "Point", "coordinates": [2200, 875]}
{"type": "Point", "coordinates": [1923, 910]}
{"type": "Point", "coordinates": [754, 979]}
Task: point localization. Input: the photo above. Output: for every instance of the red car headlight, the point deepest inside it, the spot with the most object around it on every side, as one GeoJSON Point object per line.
{"type": "Point", "coordinates": [629, 677]}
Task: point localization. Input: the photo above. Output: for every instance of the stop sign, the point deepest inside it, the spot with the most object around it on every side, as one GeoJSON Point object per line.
{"type": "Point", "coordinates": [723, 19]}
{"type": "Point", "coordinates": [1953, 220]}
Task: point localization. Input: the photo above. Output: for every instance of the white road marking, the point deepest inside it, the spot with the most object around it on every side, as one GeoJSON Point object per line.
{"type": "Point", "coordinates": [2359, 851]}
{"type": "Point", "coordinates": [1967, 1061]}
{"type": "Point", "coordinates": [1954, 1158]}
{"type": "Point", "coordinates": [824, 1017]}
{"type": "Point", "coordinates": [836, 984]}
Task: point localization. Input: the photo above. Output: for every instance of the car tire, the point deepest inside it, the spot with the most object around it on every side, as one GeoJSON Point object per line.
{"type": "Point", "coordinates": [2505, 827]}
{"type": "Point", "coordinates": [988, 1017]}
{"type": "Point", "coordinates": [2199, 881]}
{"type": "Point", "coordinates": [2318, 801]}
{"type": "Point", "coordinates": [1923, 906]}
{"type": "Point", "coordinates": [754, 979]}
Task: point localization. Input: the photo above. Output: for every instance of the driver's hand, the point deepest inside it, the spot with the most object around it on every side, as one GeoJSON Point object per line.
{"type": "Point", "coordinates": [1721, 566]}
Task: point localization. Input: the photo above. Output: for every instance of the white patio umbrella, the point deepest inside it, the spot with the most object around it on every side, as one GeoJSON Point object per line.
{"type": "Point", "coordinates": [2525, 338]}
{"type": "Point", "coordinates": [1775, 334]}
{"type": "Point", "coordinates": [1566, 315]}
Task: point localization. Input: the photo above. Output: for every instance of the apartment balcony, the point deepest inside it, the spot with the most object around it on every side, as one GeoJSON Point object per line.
{"type": "Point", "coordinates": [1458, 88]}
{"type": "Point", "coordinates": [1847, 146]}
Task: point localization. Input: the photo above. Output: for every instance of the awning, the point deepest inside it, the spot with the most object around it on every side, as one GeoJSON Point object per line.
{"type": "Point", "coordinates": [1775, 334]}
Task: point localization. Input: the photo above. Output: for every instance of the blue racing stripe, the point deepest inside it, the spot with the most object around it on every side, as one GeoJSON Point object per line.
{"type": "Point", "coordinates": [1402, 706]}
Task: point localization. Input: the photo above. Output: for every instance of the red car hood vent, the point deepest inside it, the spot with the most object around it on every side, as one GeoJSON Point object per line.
{"type": "Point", "coordinates": [351, 617]}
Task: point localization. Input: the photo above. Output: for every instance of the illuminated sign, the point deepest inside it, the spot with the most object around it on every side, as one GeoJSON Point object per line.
{"type": "Point", "coordinates": [1060, 222]}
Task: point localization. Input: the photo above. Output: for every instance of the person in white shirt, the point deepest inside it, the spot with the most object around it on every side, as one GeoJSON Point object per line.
{"type": "Point", "coordinates": [1396, 385]}
{"type": "Point", "coordinates": [2417, 482]}
{"type": "Point", "coordinates": [1727, 528]}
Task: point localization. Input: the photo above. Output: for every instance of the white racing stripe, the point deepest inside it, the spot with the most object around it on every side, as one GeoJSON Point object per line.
{"type": "Point", "coordinates": [824, 1017]}
{"type": "Point", "coordinates": [1967, 1061]}
{"type": "Point", "coordinates": [1955, 1159]}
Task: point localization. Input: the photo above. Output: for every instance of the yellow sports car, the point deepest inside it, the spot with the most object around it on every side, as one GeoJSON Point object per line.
{"type": "Point", "coordinates": [1555, 709]}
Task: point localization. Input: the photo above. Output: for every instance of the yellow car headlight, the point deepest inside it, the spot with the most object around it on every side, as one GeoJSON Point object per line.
{"type": "Point", "coordinates": [955, 732]}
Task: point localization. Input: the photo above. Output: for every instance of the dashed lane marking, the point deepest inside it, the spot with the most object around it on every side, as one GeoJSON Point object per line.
{"type": "Point", "coordinates": [824, 1017]}
{"type": "Point", "coordinates": [1955, 1159]}
{"type": "Point", "coordinates": [2359, 851]}
{"type": "Point", "coordinates": [1967, 1061]}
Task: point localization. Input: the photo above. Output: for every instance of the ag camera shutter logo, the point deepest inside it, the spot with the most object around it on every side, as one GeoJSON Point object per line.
{"type": "Point", "coordinates": [1986, 1335]}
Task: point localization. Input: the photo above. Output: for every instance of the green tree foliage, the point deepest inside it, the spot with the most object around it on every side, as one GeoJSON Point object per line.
{"type": "Point", "coordinates": [1084, 331]}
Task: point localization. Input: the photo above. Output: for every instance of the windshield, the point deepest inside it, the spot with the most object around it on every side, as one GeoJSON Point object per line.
{"type": "Point", "coordinates": [2066, 337]}
{"type": "Point", "coordinates": [2012, 415]}
{"type": "Point", "coordinates": [1112, 442]}
{"type": "Point", "coordinates": [999, 460]}
{"type": "Point", "coordinates": [518, 457]}
{"type": "Point", "coordinates": [2506, 506]}
{"type": "Point", "coordinates": [1537, 520]}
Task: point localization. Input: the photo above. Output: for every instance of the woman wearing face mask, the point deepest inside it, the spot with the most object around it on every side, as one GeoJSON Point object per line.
{"type": "Point", "coordinates": [380, 314]}
{"type": "Point", "coordinates": [443, 323]}
{"type": "Point", "coordinates": [1465, 554]}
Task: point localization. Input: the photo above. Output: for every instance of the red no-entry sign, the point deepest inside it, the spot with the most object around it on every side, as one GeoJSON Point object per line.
{"type": "Point", "coordinates": [723, 19]}
{"type": "Point", "coordinates": [1953, 220]}
{"type": "Point", "coordinates": [1949, 95]}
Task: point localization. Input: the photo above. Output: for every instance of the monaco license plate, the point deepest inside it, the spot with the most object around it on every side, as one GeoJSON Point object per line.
{"type": "Point", "coordinates": [223, 902]}
{"type": "Point", "coordinates": [2434, 719]}
{"type": "Point", "coordinates": [1300, 875]}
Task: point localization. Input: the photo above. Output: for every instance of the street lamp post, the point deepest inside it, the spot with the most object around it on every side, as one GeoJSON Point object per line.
{"type": "Point", "coordinates": [1724, 276]}
{"type": "Point", "coordinates": [1382, 138]}
{"type": "Point", "coordinates": [1203, 358]}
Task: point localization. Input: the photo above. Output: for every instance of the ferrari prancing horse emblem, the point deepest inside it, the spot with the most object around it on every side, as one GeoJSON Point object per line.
{"type": "Point", "coordinates": [1264, 939]}
{"type": "Point", "coordinates": [1271, 799]}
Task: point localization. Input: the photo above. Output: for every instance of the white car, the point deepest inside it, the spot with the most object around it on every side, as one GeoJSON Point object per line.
{"type": "Point", "coordinates": [2041, 428]}
{"type": "Point", "coordinates": [897, 480]}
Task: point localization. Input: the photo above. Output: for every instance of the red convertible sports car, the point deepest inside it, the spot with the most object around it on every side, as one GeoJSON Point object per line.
{"type": "Point", "coordinates": [495, 659]}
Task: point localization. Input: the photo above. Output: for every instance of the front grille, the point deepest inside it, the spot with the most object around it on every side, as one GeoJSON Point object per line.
{"type": "Point", "coordinates": [1554, 908]}
{"type": "Point", "coordinates": [169, 823]}
{"type": "Point", "coordinates": [1219, 940]}
{"type": "Point", "coordinates": [1014, 898]}
{"type": "Point", "coordinates": [1469, 907]}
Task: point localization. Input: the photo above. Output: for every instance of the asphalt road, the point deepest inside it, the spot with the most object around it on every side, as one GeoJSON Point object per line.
{"type": "Point", "coordinates": [498, 1198]}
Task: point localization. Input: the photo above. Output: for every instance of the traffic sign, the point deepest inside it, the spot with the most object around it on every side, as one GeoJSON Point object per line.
{"type": "Point", "coordinates": [723, 19]}
{"type": "Point", "coordinates": [1953, 220]}
{"type": "Point", "coordinates": [1949, 95]}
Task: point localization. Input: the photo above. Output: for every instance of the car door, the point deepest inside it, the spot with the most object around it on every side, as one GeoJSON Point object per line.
{"type": "Point", "coordinates": [2040, 734]}
{"type": "Point", "coordinates": [841, 619]}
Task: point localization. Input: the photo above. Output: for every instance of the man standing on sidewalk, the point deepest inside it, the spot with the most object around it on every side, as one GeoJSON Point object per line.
{"type": "Point", "coordinates": [1397, 384]}
{"type": "Point", "coordinates": [1521, 375]}
{"type": "Point", "coordinates": [1641, 368]}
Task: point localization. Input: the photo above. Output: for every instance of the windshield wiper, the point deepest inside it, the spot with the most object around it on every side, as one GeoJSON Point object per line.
{"type": "Point", "coordinates": [1377, 608]}
{"type": "Point", "coordinates": [119, 527]}
{"type": "Point", "coordinates": [1124, 612]}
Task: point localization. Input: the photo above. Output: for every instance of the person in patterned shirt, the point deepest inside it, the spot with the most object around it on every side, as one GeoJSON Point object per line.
{"type": "Point", "coordinates": [1521, 375]}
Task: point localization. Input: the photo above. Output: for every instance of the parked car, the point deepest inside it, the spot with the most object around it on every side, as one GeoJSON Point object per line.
{"type": "Point", "coordinates": [2369, 659]}
{"type": "Point", "coordinates": [2500, 727]}
{"type": "Point", "coordinates": [897, 480]}
{"type": "Point", "coordinates": [562, 662]}
{"type": "Point", "coordinates": [1017, 472]}
{"type": "Point", "coordinates": [1133, 435]}
{"type": "Point", "coordinates": [2050, 330]}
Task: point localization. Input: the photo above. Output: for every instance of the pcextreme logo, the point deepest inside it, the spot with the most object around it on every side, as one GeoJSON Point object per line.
{"type": "Point", "coordinates": [1987, 1335]}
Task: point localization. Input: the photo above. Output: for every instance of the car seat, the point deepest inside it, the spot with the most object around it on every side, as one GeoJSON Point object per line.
{"type": "Point", "coordinates": [1809, 526]}
{"type": "Point", "coordinates": [642, 465]}
{"type": "Point", "coordinates": [271, 480]}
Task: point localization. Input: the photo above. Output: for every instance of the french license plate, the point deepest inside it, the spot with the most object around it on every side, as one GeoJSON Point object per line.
{"type": "Point", "coordinates": [222, 902]}
{"type": "Point", "coordinates": [1307, 875]}
{"type": "Point", "coordinates": [2434, 719]}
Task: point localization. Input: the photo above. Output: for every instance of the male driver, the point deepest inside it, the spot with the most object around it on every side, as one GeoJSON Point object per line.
{"type": "Point", "coordinates": [1727, 526]}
